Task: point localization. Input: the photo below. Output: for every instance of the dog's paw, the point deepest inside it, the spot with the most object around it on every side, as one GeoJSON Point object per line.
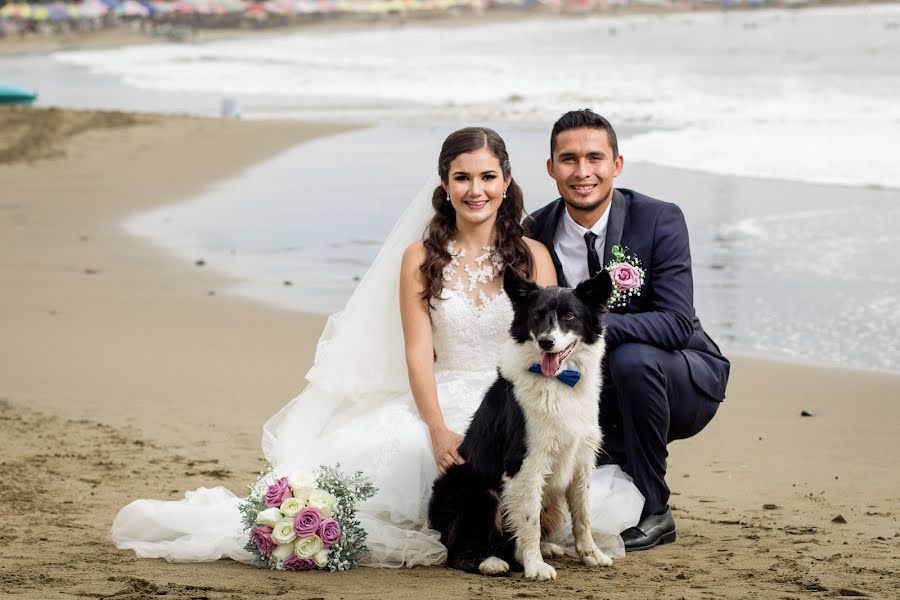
{"type": "Point", "coordinates": [551, 550]}
{"type": "Point", "coordinates": [493, 566]}
{"type": "Point", "coordinates": [592, 556]}
{"type": "Point", "coordinates": [540, 571]}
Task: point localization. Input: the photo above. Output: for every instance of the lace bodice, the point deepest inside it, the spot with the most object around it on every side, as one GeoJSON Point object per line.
{"type": "Point", "coordinates": [469, 337]}
{"type": "Point", "coordinates": [471, 318]}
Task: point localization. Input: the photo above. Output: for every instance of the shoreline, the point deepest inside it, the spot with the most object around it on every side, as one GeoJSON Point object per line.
{"type": "Point", "coordinates": [122, 377]}
{"type": "Point", "coordinates": [78, 275]}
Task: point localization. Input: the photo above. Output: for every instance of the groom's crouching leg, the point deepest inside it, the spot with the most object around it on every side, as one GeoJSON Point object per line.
{"type": "Point", "coordinates": [640, 384]}
{"type": "Point", "coordinates": [656, 400]}
{"type": "Point", "coordinates": [656, 403]}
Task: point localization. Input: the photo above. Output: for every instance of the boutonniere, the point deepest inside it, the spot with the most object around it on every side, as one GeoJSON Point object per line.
{"type": "Point", "coordinates": [627, 276]}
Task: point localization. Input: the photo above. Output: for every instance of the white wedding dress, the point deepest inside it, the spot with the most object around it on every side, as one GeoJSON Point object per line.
{"type": "Point", "coordinates": [357, 411]}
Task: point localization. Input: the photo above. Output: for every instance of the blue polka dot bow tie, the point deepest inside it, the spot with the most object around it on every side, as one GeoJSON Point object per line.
{"type": "Point", "coordinates": [568, 377]}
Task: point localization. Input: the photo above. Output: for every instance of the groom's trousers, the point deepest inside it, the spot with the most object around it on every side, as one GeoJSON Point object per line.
{"type": "Point", "coordinates": [648, 400]}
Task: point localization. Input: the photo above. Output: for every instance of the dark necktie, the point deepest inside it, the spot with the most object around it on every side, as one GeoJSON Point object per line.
{"type": "Point", "coordinates": [594, 265]}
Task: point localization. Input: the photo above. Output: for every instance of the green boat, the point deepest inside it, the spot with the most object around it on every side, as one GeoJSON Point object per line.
{"type": "Point", "coordinates": [13, 94]}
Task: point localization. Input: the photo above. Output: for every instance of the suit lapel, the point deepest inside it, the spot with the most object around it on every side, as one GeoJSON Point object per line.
{"type": "Point", "coordinates": [548, 233]}
{"type": "Point", "coordinates": [617, 210]}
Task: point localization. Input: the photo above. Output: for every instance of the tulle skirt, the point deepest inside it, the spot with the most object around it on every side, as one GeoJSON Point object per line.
{"type": "Point", "coordinates": [390, 444]}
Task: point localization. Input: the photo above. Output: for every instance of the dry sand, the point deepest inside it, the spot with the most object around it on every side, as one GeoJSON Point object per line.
{"type": "Point", "coordinates": [124, 375]}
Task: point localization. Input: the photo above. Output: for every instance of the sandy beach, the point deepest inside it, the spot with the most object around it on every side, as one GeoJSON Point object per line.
{"type": "Point", "coordinates": [124, 373]}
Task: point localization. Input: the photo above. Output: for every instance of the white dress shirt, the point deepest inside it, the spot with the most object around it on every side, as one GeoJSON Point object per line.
{"type": "Point", "coordinates": [571, 248]}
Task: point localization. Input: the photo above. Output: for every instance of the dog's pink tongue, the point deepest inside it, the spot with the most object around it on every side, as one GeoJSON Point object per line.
{"type": "Point", "coordinates": [550, 364]}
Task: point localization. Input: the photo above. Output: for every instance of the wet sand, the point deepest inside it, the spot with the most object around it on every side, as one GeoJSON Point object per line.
{"type": "Point", "coordinates": [125, 374]}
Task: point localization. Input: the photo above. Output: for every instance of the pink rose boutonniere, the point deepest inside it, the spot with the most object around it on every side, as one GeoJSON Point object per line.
{"type": "Point", "coordinates": [627, 276]}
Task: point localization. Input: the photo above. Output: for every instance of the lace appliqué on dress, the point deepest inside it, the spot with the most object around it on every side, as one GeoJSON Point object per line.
{"type": "Point", "coordinates": [485, 270]}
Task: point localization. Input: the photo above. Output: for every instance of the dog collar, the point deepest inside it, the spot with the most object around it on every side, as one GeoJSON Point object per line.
{"type": "Point", "coordinates": [568, 377]}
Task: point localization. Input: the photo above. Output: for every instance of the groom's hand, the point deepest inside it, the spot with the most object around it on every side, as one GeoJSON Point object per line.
{"type": "Point", "coordinates": [444, 444]}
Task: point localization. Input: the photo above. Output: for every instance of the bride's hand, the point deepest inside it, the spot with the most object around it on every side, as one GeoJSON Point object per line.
{"type": "Point", "coordinates": [444, 444]}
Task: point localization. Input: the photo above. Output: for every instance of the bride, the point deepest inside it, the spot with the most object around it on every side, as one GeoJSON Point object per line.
{"type": "Point", "coordinates": [391, 391]}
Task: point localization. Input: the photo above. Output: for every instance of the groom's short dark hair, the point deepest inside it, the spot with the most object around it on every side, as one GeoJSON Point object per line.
{"type": "Point", "coordinates": [578, 119]}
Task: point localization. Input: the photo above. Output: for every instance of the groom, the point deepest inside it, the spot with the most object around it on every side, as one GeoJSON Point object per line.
{"type": "Point", "coordinates": [664, 377]}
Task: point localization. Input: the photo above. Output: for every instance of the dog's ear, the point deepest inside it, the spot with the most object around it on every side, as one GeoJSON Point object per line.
{"type": "Point", "coordinates": [596, 290]}
{"type": "Point", "coordinates": [516, 287]}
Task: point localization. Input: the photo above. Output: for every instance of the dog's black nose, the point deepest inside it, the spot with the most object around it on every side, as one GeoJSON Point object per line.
{"type": "Point", "coordinates": [545, 343]}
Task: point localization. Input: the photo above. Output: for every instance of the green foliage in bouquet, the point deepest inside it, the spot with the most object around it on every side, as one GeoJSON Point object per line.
{"type": "Point", "coordinates": [349, 491]}
{"type": "Point", "coordinates": [346, 492]}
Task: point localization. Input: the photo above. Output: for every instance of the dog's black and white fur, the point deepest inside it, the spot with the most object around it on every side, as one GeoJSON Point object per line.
{"type": "Point", "coordinates": [533, 441]}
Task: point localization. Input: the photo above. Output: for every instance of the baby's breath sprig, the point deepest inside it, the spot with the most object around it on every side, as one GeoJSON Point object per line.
{"type": "Point", "coordinates": [627, 276]}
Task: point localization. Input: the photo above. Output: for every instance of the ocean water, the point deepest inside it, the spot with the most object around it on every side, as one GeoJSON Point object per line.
{"type": "Point", "coordinates": [807, 95]}
{"type": "Point", "coordinates": [774, 130]}
{"type": "Point", "coordinates": [785, 269]}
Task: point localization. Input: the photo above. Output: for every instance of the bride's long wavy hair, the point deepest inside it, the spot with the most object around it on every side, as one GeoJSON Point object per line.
{"type": "Point", "coordinates": [510, 246]}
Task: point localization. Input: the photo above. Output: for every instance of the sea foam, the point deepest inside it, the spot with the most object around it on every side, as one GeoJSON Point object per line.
{"type": "Point", "coordinates": [754, 93]}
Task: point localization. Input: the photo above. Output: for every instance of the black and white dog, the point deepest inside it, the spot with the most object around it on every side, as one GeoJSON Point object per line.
{"type": "Point", "coordinates": [534, 439]}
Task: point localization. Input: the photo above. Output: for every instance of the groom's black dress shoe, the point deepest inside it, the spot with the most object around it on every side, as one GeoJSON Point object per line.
{"type": "Point", "coordinates": [653, 530]}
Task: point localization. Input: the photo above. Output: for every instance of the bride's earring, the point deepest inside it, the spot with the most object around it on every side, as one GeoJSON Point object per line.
{"type": "Point", "coordinates": [504, 194]}
{"type": "Point", "coordinates": [448, 196]}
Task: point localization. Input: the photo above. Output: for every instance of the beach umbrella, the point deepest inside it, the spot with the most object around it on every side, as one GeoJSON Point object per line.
{"type": "Point", "coordinates": [58, 11]}
{"type": "Point", "coordinates": [213, 7]}
{"type": "Point", "coordinates": [151, 8]}
{"type": "Point", "coordinates": [162, 8]}
{"type": "Point", "coordinates": [39, 12]}
{"type": "Point", "coordinates": [132, 8]}
{"type": "Point", "coordinates": [201, 7]}
{"type": "Point", "coordinates": [206, 7]}
{"type": "Point", "coordinates": [19, 10]}
{"type": "Point", "coordinates": [182, 8]}
{"type": "Point", "coordinates": [305, 7]}
{"type": "Point", "coordinates": [232, 6]}
{"type": "Point", "coordinates": [279, 7]}
{"type": "Point", "coordinates": [92, 9]}
{"type": "Point", "coordinates": [224, 7]}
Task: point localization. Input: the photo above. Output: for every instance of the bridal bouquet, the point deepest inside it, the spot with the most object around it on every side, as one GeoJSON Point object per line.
{"type": "Point", "coordinates": [300, 522]}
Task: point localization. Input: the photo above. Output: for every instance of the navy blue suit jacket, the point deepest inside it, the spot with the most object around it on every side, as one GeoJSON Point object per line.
{"type": "Point", "coordinates": [663, 315]}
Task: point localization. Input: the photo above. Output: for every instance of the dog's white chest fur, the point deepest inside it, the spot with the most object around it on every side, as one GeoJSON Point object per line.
{"type": "Point", "coordinates": [561, 421]}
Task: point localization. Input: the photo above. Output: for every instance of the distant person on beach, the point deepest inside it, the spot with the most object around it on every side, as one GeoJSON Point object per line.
{"type": "Point", "coordinates": [664, 376]}
{"type": "Point", "coordinates": [392, 388]}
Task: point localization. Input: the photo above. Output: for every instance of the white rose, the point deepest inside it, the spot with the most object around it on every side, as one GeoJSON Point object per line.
{"type": "Point", "coordinates": [283, 532]}
{"type": "Point", "coordinates": [269, 517]}
{"type": "Point", "coordinates": [321, 558]}
{"type": "Point", "coordinates": [302, 483]}
{"type": "Point", "coordinates": [309, 546]}
{"type": "Point", "coordinates": [283, 552]}
{"type": "Point", "coordinates": [324, 502]}
{"type": "Point", "coordinates": [291, 507]}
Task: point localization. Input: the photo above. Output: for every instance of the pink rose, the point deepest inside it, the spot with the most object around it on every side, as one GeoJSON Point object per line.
{"type": "Point", "coordinates": [295, 563]}
{"type": "Point", "coordinates": [262, 537]}
{"type": "Point", "coordinates": [625, 276]}
{"type": "Point", "coordinates": [278, 492]}
{"type": "Point", "coordinates": [307, 521]}
{"type": "Point", "coordinates": [330, 532]}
